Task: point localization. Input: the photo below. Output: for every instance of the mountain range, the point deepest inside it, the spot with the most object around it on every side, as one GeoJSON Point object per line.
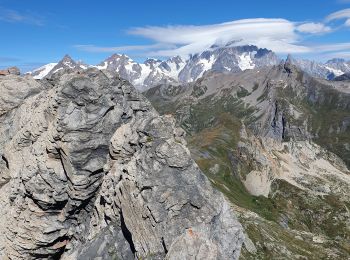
{"type": "Point", "coordinates": [276, 142]}
{"type": "Point", "coordinates": [329, 70]}
{"type": "Point", "coordinates": [177, 69]}
{"type": "Point", "coordinates": [229, 154]}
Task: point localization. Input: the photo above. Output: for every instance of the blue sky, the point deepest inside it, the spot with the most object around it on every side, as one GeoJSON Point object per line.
{"type": "Point", "coordinates": [37, 32]}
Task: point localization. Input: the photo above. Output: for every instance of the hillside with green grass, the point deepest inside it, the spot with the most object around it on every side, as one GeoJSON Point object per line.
{"type": "Point", "coordinates": [277, 107]}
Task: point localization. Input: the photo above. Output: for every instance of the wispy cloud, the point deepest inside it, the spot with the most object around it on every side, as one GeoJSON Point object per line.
{"type": "Point", "coordinates": [314, 28]}
{"type": "Point", "coordinates": [8, 59]}
{"type": "Point", "coordinates": [24, 66]}
{"type": "Point", "coordinates": [332, 47]}
{"type": "Point", "coordinates": [342, 14]}
{"type": "Point", "coordinates": [132, 48]}
{"type": "Point", "coordinates": [13, 16]}
{"type": "Point", "coordinates": [277, 34]}
{"type": "Point", "coordinates": [342, 55]}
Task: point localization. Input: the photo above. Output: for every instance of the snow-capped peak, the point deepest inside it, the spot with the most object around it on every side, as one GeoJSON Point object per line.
{"type": "Point", "coordinates": [41, 72]}
{"type": "Point", "coordinates": [176, 69]}
{"type": "Point", "coordinates": [328, 70]}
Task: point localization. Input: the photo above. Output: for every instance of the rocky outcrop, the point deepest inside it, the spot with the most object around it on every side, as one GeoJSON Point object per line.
{"type": "Point", "coordinates": [10, 71]}
{"type": "Point", "coordinates": [89, 169]}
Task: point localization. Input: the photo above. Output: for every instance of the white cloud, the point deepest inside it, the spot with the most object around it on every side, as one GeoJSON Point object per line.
{"type": "Point", "coordinates": [93, 48]}
{"type": "Point", "coordinates": [279, 35]}
{"type": "Point", "coordinates": [332, 47]}
{"type": "Point", "coordinates": [341, 55]}
{"type": "Point", "coordinates": [347, 23]}
{"type": "Point", "coordinates": [314, 28]}
{"type": "Point", "coordinates": [12, 16]}
{"type": "Point", "coordinates": [276, 34]}
{"type": "Point", "coordinates": [342, 14]}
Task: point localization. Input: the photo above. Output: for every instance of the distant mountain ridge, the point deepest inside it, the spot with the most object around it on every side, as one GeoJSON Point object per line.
{"type": "Point", "coordinates": [329, 70]}
{"type": "Point", "coordinates": [176, 69]}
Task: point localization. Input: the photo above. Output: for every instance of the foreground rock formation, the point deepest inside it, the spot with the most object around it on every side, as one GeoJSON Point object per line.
{"type": "Point", "coordinates": [89, 169]}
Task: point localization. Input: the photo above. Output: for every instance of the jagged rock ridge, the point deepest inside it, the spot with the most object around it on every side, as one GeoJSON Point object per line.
{"type": "Point", "coordinates": [90, 170]}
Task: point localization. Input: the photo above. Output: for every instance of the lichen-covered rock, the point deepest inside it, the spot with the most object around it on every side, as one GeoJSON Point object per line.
{"type": "Point", "coordinates": [89, 169]}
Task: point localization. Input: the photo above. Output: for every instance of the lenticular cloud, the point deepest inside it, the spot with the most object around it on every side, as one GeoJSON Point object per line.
{"type": "Point", "coordinates": [276, 34]}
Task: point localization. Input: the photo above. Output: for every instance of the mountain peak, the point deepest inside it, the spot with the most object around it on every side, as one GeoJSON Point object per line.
{"type": "Point", "coordinates": [67, 58]}
{"type": "Point", "coordinates": [116, 57]}
{"type": "Point", "coordinates": [154, 71]}
{"type": "Point", "coordinates": [289, 58]}
{"type": "Point", "coordinates": [67, 61]}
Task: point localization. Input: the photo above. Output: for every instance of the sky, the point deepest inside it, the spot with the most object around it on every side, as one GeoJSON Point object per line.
{"type": "Point", "coordinates": [37, 32]}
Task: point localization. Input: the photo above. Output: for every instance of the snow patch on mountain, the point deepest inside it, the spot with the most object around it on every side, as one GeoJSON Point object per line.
{"type": "Point", "coordinates": [246, 61]}
{"type": "Point", "coordinates": [207, 64]}
{"type": "Point", "coordinates": [42, 71]}
{"type": "Point", "coordinates": [336, 72]}
{"type": "Point", "coordinates": [145, 72]}
{"type": "Point", "coordinates": [328, 70]}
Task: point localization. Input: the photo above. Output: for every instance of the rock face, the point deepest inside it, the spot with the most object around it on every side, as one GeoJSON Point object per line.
{"type": "Point", "coordinates": [89, 169]}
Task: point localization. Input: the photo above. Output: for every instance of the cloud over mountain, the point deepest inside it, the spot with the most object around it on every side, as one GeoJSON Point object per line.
{"type": "Point", "coordinates": [277, 34]}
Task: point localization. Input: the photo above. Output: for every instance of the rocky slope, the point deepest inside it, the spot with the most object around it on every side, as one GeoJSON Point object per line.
{"type": "Point", "coordinates": [89, 170]}
{"type": "Point", "coordinates": [275, 141]}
